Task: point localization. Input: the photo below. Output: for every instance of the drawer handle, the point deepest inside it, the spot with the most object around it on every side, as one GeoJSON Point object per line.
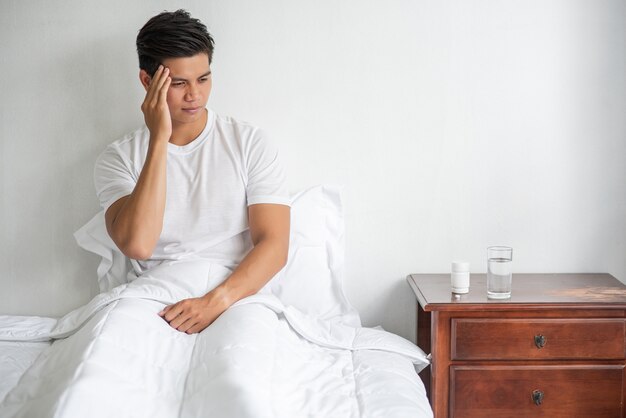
{"type": "Point", "coordinates": [540, 341]}
{"type": "Point", "coordinates": [537, 397]}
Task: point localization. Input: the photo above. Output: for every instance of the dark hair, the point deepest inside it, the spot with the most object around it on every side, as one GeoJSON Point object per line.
{"type": "Point", "coordinates": [172, 35]}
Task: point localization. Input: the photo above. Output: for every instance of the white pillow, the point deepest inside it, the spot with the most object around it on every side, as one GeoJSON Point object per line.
{"type": "Point", "coordinates": [312, 280]}
{"type": "Point", "coordinates": [114, 268]}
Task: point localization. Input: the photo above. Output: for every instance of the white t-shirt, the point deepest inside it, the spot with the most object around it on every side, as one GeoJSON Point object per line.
{"type": "Point", "coordinates": [210, 183]}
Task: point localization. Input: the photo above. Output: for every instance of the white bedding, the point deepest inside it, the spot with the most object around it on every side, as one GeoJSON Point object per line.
{"type": "Point", "coordinates": [15, 358]}
{"type": "Point", "coordinates": [117, 357]}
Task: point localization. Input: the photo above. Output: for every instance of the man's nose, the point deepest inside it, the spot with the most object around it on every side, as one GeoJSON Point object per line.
{"type": "Point", "coordinates": [192, 92]}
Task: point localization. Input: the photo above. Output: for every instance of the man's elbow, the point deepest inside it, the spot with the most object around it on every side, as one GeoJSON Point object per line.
{"type": "Point", "coordinates": [283, 256]}
{"type": "Point", "coordinates": [136, 250]}
{"type": "Point", "coordinates": [140, 254]}
{"type": "Point", "coordinates": [282, 261]}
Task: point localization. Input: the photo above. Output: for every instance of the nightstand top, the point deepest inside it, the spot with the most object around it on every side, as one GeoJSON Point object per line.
{"type": "Point", "coordinates": [529, 291]}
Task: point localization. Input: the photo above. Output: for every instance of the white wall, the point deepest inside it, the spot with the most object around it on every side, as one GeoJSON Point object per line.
{"type": "Point", "coordinates": [453, 125]}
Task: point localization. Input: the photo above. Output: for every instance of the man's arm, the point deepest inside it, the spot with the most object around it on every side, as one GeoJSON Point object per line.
{"type": "Point", "coordinates": [269, 230]}
{"type": "Point", "coordinates": [134, 222]}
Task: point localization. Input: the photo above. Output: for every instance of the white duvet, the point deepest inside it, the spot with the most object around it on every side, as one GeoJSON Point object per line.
{"type": "Point", "coordinates": [296, 349]}
{"type": "Point", "coordinates": [115, 357]}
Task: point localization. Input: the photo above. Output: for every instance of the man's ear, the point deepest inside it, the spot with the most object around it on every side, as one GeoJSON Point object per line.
{"type": "Point", "coordinates": [145, 79]}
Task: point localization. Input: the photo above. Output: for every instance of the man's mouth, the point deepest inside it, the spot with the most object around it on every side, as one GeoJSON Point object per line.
{"type": "Point", "coordinates": [192, 109]}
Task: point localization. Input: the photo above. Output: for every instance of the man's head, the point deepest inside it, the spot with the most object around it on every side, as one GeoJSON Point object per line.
{"type": "Point", "coordinates": [172, 35]}
{"type": "Point", "coordinates": [182, 45]}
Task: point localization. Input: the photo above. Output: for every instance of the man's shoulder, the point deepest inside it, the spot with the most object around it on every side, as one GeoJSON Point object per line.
{"type": "Point", "coordinates": [245, 136]}
{"type": "Point", "coordinates": [235, 126]}
{"type": "Point", "coordinates": [128, 147]}
{"type": "Point", "coordinates": [138, 137]}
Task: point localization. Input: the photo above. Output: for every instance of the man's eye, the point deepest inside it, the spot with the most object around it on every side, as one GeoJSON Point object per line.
{"type": "Point", "coordinates": [202, 80]}
{"type": "Point", "coordinates": [177, 84]}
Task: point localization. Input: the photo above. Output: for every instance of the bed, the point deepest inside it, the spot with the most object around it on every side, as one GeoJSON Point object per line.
{"type": "Point", "coordinates": [295, 349]}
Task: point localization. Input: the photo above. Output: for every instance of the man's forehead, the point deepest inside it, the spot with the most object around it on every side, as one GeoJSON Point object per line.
{"type": "Point", "coordinates": [188, 68]}
{"type": "Point", "coordinates": [188, 75]}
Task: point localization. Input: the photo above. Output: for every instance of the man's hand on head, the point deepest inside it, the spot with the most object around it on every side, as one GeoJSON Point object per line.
{"type": "Point", "coordinates": [154, 107]}
{"type": "Point", "coordinates": [195, 314]}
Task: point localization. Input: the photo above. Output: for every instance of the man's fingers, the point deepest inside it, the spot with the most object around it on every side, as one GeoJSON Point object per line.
{"type": "Point", "coordinates": [195, 329]}
{"type": "Point", "coordinates": [162, 79]}
{"type": "Point", "coordinates": [176, 322]}
{"type": "Point", "coordinates": [159, 95]}
{"type": "Point", "coordinates": [152, 88]}
{"type": "Point", "coordinates": [186, 325]}
{"type": "Point", "coordinates": [174, 312]}
{"type": "Point", "coordinates": [157, 83]}
{"type": "Point", "coordinates": [163, 91]}
{"type": "Point", "coordinates": [161, 75]}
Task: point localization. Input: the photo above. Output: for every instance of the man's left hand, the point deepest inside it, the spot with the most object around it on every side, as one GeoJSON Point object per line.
{"type": "Point", "coordinates": [195, 314]}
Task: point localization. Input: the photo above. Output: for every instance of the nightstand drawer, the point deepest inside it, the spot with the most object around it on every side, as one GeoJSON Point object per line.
{"type": "Point", "coordinates": [533, 391]}
{"type": "Point", "coordinates": [537, 339]}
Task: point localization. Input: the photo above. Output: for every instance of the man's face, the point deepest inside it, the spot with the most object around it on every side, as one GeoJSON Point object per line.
{"type": "Point", "coordinates": [190, 88]}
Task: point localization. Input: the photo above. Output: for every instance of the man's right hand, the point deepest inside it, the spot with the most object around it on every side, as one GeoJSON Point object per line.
{"type": "Point", "coordinates": [154, 107]}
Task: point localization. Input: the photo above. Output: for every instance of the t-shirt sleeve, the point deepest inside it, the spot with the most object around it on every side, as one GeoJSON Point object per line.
{"type": "Point", "coordinates": [113, 177]}
{"type": "Point", "coordinates": [266, 176]}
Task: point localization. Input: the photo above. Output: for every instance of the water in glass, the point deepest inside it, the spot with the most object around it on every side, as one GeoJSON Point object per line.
{"type": "Point", "coordinates": [499, 278]}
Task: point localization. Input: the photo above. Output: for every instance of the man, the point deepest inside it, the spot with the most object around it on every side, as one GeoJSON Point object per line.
{"type": "Point", "coordinates": [191, 184]}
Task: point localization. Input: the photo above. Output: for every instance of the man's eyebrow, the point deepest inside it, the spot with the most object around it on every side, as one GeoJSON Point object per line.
{"type": "Point", "coordinates": [184, 79]}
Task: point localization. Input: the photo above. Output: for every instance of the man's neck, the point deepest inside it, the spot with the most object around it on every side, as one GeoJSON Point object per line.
{"type": "Point", "coordinates": [184, 133]}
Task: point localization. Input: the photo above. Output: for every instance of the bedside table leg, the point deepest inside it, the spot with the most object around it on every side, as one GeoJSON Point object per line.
{"type": "Point", "coordinates": [440, 366]}
{"type": "Point", "coordinates": [423, 342]}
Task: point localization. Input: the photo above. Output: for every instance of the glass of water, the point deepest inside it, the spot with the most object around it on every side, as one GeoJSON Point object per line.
{"type": "Point", "coordinates": [499, 272]}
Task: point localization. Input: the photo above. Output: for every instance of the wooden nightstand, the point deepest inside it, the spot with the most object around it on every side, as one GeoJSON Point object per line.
{"type": "Point", "coordinates": [556, 348]}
